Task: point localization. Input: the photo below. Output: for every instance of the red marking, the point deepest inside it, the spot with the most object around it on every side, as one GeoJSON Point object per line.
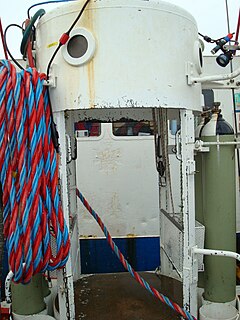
{"type": "Point", "coordinates": [64, 38]}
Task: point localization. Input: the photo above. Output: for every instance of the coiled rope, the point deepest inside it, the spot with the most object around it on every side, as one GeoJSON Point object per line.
{"type": "Point", "coordinates": [184, 313]}
{"type": "Point", "coordinates": [29, 176]}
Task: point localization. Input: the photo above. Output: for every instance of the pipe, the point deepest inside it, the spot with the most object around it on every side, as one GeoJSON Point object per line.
{"type": "Point", "coordinates": [200, 143]}
{"type": "Point", "coordinates": [7, 286]}
{"type": "Point", "coordinates": [219, 253]}
{"type": "Point", "coordinates": [217, 77]}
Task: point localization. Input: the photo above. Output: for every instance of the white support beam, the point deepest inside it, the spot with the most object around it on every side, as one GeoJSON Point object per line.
{"type": "Point", "coordinates": [65, 279]}
{"type": "Point", "coordinates": [190, 267]}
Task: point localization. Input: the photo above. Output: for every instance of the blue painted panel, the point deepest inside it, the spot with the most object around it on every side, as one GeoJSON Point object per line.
{"type": "Point", "coordinates": [238, 242]}
{"type": "Point", "coordinates": [143, 253]}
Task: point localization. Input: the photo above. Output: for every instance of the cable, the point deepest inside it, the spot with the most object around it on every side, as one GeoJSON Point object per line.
{"type": "Point", "coordinates": [207, 38]}
{"type": "Point", "coordinates": [210, 40]}
{"type": "Point", "coordinates": [45, 2]}
{"type": "Point", "coordinates": [233, 92]}
{"type": "Point", "coordinates": [28, 30]}
{"type": "Point", "coordinates": [64, 38]}
{"type": "Point", "coordinates": [78, 17]}
{"type": "Point", "coordinates": [5, 43]}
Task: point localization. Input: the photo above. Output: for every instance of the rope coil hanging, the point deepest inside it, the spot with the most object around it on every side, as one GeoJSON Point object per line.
{"type": "Point", "coordinates": [29, 176]}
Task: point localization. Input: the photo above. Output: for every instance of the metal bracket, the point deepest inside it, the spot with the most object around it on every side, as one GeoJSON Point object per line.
{"type": "Point", "coordinates": [230, 84]}
{"type": "Point", "coordinates": [231, 47]}
{"type": "Point", "coordinates": [199, 146]}
{"type": "Point", "coordinates": [189, 73]}
{"type": "Point", "coordinates": [50, 82]}
{"type": "Point", "coordinates": [219, 81]}
{"type": "Point", "coordinates": [174, 218]}
{"type": "Point", "coordinates": [191, 169]}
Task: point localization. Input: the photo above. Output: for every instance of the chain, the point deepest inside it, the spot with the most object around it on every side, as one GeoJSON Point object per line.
{"type": "Point", "coordinates": [165, 154]}
{"type": "Point", "coordinates": [161, 122]}
{"type": "Point", "coordinates": [65, 281]}
{"type": "Point", "coordinates": [181, 187]}
{"type": "Point", "coordinates": [179, 140]}
{"type": "Point", "coordinates": [155, 137]}
{"type": "Point", "coordinates": [158, 157]}
{"type": "Point", "coordinates": [168, 170]}
{"type": "Point", "coordinates": [181, 183]}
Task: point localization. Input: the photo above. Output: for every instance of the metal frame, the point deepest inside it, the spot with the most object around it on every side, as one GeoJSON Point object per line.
{"type": "Point", "coordinates": [186, 266]}
{"type": "Point", "coordinates": [190, 265]}
{"type": "Point", "coordinates": [65, 276]}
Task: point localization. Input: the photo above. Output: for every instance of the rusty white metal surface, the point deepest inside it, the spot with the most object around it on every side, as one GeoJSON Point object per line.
{"type": "Point", "coordinates": [142, 48]}
{"type": "Point", "coordinates": [172, 247]}
{"type": "Point", "coordinates": [190, 265]}
{"type": "Point", "coordinates": [118, 177]}
{"type": "Point", "coordinates": [65, 288]}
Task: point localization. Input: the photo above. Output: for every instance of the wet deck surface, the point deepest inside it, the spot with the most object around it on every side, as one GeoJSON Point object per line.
{"type": "Point", "coordinates": [120, 297]}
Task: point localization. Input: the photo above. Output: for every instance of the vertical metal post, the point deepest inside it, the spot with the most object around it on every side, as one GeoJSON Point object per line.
{"type": "Point", "coordinates": [75, 244]}
{"type": "Point", "coordinates": [190, 267]}
{"type": "Point", "coordinates": [65, 278]}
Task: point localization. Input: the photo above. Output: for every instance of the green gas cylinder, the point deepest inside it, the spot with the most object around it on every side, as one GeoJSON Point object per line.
{"type": "Point", "coordinates": [218, 212]}
{"type": "Point", "coordinates": [28, 299]}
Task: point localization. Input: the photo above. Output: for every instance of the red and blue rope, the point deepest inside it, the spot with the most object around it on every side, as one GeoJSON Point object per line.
{"type": "Point", "coordinates": [29, 176]}
{"type": "Point", "coordinates": [184, 313]}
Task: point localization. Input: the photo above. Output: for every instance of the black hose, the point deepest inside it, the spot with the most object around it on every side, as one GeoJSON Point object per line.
{"type": "Point", "coordinates": [67, 33]}
{"type": "Point", "coordinates": [46, 2]}
{"type": "Point", "coordinates": [5, 42]}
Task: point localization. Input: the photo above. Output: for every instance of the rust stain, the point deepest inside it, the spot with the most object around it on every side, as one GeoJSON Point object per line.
{"type": "Point", "coordinates": [131, 235]}
{"type": "Point", "coordinates": [91, 236]}
{"type": "Point", "coordinates": [88, 23]}
{"type": "Point", "coordinates": [91, 83]}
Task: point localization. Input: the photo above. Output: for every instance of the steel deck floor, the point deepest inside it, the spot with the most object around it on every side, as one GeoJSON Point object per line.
{"type": "Point", "coordinates": [120, 297]}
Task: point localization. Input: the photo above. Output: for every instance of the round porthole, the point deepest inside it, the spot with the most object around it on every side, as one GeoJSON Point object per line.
{"type": "Point", "coordinates": [80, 47]}
{"type": "Point", "coordinates": [198, 58]}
